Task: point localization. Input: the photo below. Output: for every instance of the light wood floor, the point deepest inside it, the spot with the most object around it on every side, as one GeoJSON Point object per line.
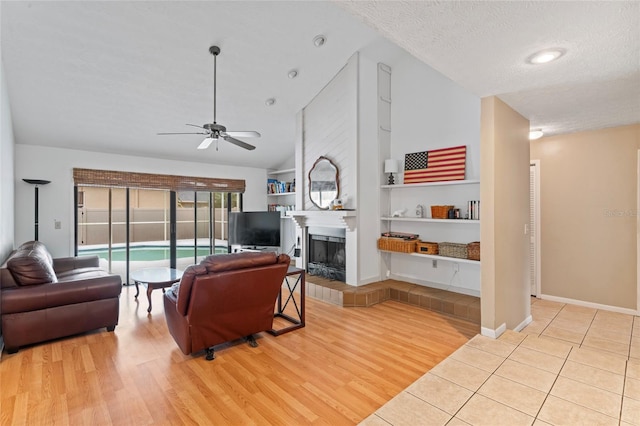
{"type": "Point", "coordinates": [340, 368]}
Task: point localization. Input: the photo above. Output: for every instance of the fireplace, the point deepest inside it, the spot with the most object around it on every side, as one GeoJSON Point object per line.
{"type": "Point", "coordinates": [326, 252]}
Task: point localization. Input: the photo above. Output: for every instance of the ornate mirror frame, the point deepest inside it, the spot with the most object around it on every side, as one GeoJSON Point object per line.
{"type": "Point", "coordinates": [328, 183]}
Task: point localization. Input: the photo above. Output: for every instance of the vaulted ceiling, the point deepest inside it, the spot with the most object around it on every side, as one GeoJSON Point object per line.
{"type": "Point", "coordinates": [108, 76]}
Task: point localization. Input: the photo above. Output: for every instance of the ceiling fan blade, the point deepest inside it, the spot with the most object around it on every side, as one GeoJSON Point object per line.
{"type": "Point", "coordinates": [182, 133]}
{"type": "Point", "coordinates": [239, 143]}
{"type": "Point", "coordinates": [194, 125]}
{"type": "Point", "coordinates": [205, 143]}
{"type": "Point", "coordinates": [244, 134]}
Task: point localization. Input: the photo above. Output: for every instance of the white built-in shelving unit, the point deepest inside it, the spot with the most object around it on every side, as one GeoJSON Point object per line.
{"type": "Point", "coordinates": [398, 213]}
{"type": "Point", "coordinates": [283, 198]}
{"type": "Point", "coordinates": [406, 197]}
{"type": "Point", "coordinates": [287, 199]}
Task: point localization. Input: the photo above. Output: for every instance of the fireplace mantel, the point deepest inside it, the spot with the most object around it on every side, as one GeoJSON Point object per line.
{"type": "Point", "coordinates": [331, 218]}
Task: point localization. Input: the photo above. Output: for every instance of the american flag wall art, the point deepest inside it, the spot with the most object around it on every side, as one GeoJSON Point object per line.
{"type": "Point", "coordinates": [435, 165]}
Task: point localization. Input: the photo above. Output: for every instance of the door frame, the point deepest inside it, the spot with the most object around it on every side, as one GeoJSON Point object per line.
{"type": "Point", "coordinates": [536, 214]}
{"type": "Point", "coordinates": [638, 235]}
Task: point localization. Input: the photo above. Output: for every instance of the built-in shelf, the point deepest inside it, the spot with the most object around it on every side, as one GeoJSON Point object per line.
{"type": "Point", "coordinates": [437, 257]}
{"type": "Point", "coordinates": [425, 219]}
{"type": "Point", "coordinates": [443, 183]}
{"type": "Point", "coordinates": [281, 172]}
{"type": "Point", "coordinates": [277, 194]}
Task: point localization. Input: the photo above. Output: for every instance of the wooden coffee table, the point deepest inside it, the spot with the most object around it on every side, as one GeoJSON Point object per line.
{"type": "Point", "coordinates": [155, 278]}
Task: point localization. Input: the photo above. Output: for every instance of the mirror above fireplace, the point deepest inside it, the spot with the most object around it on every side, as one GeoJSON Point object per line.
{"type": "Point", "coordinates": [324, 184]}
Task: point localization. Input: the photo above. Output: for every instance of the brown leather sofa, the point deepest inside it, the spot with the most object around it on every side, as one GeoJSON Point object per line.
{"type": "Point", "coordinates": [224, 298]}
{"type": "Point", "coordinates": [44, 298]}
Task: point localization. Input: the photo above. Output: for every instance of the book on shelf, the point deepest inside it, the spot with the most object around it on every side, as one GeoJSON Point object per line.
{"type": "Point", "coordinates": [275, 186]}
{"type": "Point", "coordinates": [280, 207]}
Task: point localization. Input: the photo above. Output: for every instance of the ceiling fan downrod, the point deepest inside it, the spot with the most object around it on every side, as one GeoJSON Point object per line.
{"type": "Point", "coordinates": [215, 51]}
{"type": "Point", "coordinates": [215, 131]}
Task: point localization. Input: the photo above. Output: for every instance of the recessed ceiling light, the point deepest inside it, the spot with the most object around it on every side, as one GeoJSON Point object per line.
{"type": "Point", "coordinates": [293, 74]}
{"type": "Point", "coordinates": [535, 134]}
{"type": "Point", "coordinates": [270, 101]}
{"type": "Point", "coordinates": [319, 40]}
{"type": "Point", "coordinates": [545, 56]}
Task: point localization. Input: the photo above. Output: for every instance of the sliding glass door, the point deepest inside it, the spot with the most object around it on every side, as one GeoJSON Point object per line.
{"type": "Point", "coordinates": [130, 229]}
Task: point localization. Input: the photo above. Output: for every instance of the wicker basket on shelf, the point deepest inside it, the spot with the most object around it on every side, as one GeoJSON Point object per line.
{"type": "Point", "coordinates": [426, 247]}
{"type": "Point", "coordinates": [473, 250]}
{"type": "Point", "coordinates": [397, 244]}
{"type": "Point", "coordinates": [440, 212]}
{"type": "Point", "coordinates": [453, 250]}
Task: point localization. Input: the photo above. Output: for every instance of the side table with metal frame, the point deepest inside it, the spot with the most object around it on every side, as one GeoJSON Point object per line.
{"type": "Point", "coordinates": [289, 293]}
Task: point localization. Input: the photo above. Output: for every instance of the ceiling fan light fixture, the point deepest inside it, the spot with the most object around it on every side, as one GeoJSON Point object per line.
{"type": "Point", "coordinates": [293, 74]}
{"type": "Point", "coordinates": [270, 102]}
{"type": "Point", "coordinates": [546, 56]}
{"type": "Point", "coordinates": [319, 40]}
{"type": "Point", "coordinates": [535, 134]}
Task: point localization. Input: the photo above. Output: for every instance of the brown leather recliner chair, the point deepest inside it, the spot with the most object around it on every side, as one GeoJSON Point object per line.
{"type": "Point", "coordinates": [224, 298]}
{"type": "Point", "coordinates": [44, 298]}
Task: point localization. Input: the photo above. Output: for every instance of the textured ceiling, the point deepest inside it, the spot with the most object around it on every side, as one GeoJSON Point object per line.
{"type": "Point", "coordinates": [107, 76]}
{"type": "Point", "coordinates": [482, 45]}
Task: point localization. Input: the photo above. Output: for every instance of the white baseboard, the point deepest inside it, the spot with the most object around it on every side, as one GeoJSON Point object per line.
{"type": "Point", "coordinates": [524, 323]}
{"type": "Point", "coordinates": [494, 334]}
{"type": "Point", "coordinates": [589, 304]}
{"type": "Point", "coordinates": [432, 284]}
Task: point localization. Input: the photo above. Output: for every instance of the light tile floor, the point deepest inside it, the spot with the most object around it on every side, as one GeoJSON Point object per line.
{"type": "Point", "coordinates": [571, 366]}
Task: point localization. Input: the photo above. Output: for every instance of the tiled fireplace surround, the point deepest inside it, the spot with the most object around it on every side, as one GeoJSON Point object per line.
{"type": "Point", "coordinates": [339, 293]}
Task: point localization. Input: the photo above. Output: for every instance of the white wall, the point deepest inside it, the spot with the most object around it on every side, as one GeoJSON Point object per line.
{"type": "Point", "coordinates": [428, 111]}
{"type": "Point", "coordinates": [6, 177]}
{"type": "Point", "coordinates": [6, 172]}
{"type": "Point", "coordinates": [330, 130]}
{"type": "Point", "coordinates": [56, 198]}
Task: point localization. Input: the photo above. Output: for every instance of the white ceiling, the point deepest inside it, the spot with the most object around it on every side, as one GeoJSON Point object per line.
{"type": "Point", "coordinates": [108, 76]}
{"type": "Point", "coordinates": [483, 45]}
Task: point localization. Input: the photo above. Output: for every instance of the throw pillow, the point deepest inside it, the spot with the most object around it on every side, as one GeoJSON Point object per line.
{"type": "Point", "coordinates": [30, 267]}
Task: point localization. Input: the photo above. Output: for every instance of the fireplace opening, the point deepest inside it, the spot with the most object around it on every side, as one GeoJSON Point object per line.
{"type": "Point", "coordinates": [326, 254]}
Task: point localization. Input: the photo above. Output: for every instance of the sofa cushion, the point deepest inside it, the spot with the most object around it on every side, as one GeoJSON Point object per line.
{"type": "Point", "coordinates": [80, 273]}
{"type": "Point", "coordinates": [31, 266]}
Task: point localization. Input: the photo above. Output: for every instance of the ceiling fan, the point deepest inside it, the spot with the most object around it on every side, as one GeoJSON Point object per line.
{"type": "Point", "coordinates": [215, 131]}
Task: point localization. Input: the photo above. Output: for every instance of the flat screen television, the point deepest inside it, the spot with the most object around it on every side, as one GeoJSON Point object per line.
{"type": "Point", "coordinates": [254, 229]}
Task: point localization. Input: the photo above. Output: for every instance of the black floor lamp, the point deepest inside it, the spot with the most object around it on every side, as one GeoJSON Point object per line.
{"type": "Point", "coordinates": [36, 182]}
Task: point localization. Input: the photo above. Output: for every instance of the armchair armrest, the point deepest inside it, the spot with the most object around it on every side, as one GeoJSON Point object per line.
{"type": "Point", "coordinates": [63, 264]}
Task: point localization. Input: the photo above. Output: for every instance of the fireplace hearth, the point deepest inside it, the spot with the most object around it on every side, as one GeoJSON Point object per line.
{"type": "Point", "coordinates": [326, 253]}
